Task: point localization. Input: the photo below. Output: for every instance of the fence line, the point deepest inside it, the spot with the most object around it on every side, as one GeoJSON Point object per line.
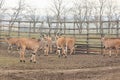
{"type": "Point", "coordinates": [87, 36]}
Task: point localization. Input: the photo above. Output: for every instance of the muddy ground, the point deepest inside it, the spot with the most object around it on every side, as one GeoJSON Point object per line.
{"type": "Point", "coordinates": [74, 67]}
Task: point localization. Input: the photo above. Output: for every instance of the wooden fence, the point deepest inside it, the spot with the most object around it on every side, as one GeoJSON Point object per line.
{"type": "Point", "coordinates": [87, 34]}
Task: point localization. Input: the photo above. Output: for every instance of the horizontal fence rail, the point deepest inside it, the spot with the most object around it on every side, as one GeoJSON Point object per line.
{"type": "Point", "coordinates": [88, 33]}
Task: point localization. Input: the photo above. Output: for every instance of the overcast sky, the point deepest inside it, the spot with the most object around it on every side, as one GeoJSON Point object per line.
{"type": "Point", "coordinates": [33, 3]}
{"type": "Point", "coordinates": [42, 4]}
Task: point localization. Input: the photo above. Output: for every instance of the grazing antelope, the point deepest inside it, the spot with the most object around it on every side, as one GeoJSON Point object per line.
{"type": "Point", "coordinates": [11, 42]}
{"type": "Point", "coordinates": [110, 43]}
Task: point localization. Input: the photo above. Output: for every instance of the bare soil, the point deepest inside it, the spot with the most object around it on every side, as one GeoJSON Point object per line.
{"type": "Point", "coordinates": [74, 67]}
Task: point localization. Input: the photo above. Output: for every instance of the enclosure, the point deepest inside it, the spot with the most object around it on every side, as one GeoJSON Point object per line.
{"type": "Point", "coordinates": [87, 33]}
{"type": "Point", "coordinates": [86, 64]}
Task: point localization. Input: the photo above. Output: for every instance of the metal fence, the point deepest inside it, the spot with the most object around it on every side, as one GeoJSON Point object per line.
{"type": "Point", "coordinates": [87, 34]}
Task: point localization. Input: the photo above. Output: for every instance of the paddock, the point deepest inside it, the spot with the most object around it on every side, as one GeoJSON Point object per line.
{"type": "Point", "coordinates": [86, 64]}
{"type": "Point", "coordinates": [88, 36]}
{"type": "Point", "coordinates": [79, 66]}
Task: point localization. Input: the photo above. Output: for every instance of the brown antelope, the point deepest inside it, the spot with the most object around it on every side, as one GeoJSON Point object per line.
{"type": "Point", "coordinates": [27, 43]}
{"type": "Point", "coordinates": [11, 42]}
{"type": "Point", "coordinates": [65, 43]}
{"type": "Point", "coordinates": [110, 43]}
{"type": "Point", "coordinates": [60, 43]}
{"type": "Point", "coordinates": [70, 44]}
{"type": "Point", "coordinates": [47, 44]}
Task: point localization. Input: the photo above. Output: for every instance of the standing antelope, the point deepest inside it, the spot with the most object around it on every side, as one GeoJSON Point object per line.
{"type": "Point", "coordinates": [65, 43]}
{"type": "Point", "coordinates": [27, 43]}
{"type": "Point", "coordinates": [60, 43]}
{"type": "Point", "coordinates": [70, 44]}
{"type": "Point", "coordinates": [110, 43]}
{"type": "Point", "coordinates": [47, 44]}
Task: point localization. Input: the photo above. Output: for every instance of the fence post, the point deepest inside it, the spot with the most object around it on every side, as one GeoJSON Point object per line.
{"type": "Point", "coordinates": [0, 29]}
{"type": "Point", "coordinates": [64, 27]}
{"type": "Point", "coordinates": [41, 28]}
{"type": "Point", "coordinates": [87, 37]}
{"type": "Point", "coordinates": [18, 28]}
{"type": "Point", "coordinates": [101, 35]}
{"type": "Point", "coordinates": [9, 29]}
{"type": "Point", "coordinates": [117, 29]}
{"type": "Point", "coordinates": [29, 35]}
{"type": "Point", "coordinates": [74, 29]}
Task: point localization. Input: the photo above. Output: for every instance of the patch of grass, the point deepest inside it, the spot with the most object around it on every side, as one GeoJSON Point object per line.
{"type": "Point", "coordinates": [7, 61]}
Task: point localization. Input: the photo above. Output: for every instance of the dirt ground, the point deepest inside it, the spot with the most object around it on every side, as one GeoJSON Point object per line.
{"type": "Point", "coordinates": [74, 67]}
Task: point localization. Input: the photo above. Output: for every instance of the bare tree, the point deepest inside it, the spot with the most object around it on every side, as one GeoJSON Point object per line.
{"type": "Point", "coordinates": [101, 12]}
{"type": "Point", "coordinates": [96, 16]}
{"type": "Point", "coordinates": [48, 19]}
{"type": "Point", "coordinates": [98, 12]}
{"type": "Point", "coordinates": [2, 9]}
{"type": "Point", "coordinates": [111, 8]}
{"type": "Point", "coordinates": [117, 19]}
{"type": "Point", "coordinates": [32, 15]}
{"type": "Point", "coordinates": [1, 12]}
{"type": "Point", "coordinates": [57, 8]}
{"type": "Point", "coordinates": [88, 13]}
{"type": "Point", "coordinates": [80, 12]}
{"type": "Point", "coordinates": [16, 12]}
{"type": "Point", "coordinates": [1, 3]}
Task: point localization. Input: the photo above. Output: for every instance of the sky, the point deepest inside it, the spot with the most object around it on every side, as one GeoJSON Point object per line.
{"type": "Point", "coordinates": [42, 4]}
{"type": "Point", "coordinates": [33, 3]}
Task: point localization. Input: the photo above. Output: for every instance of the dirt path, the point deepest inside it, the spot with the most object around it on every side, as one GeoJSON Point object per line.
{"type": "Point", "coordinates": [64, 71]}
{"type": "Point", "coordinates": [99, 73]}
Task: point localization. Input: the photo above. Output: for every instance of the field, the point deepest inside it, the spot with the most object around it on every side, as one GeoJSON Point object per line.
{"type": "Point", "coordinates": [74, 67]}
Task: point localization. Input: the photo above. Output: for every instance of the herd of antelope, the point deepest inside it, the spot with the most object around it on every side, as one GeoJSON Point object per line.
{"type": "Point", "coordinates": [62, 45]}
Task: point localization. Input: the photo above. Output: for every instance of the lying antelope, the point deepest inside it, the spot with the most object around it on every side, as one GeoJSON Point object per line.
{"type": "Point", "coordinates": [110, 43]}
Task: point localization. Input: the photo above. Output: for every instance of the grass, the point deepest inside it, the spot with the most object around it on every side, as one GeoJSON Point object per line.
{"type": "Point", "coordinates": [6, 62]}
